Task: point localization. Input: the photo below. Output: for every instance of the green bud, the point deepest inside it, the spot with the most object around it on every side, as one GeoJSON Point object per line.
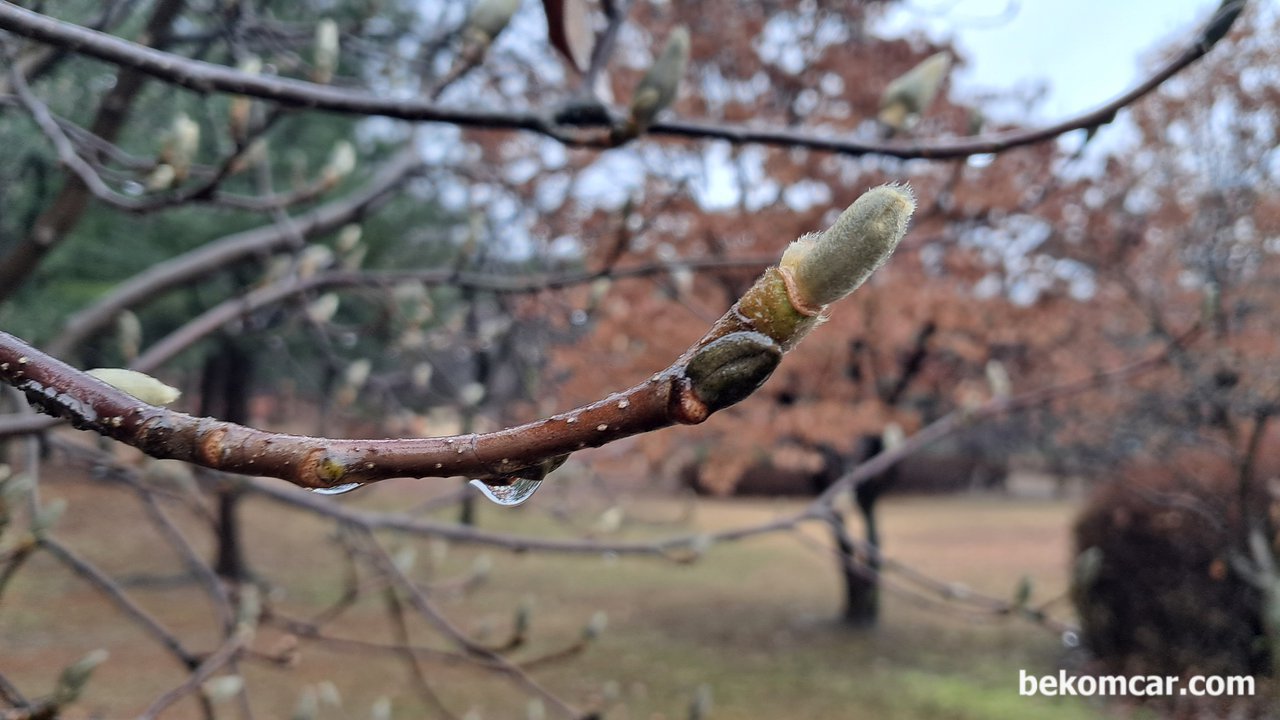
{"type": "Point", "coordinates": [73, 679]}
{"type": "Point", "coordinates": [829, 265]}
{"type": "Point", "coordinates": [489, 18]}
{"type": "Point", "coordinates": [140, 385]}
{"type": "Point", "coordinates": [730, 368]}
{"type": "Point", "coordinates": [221, 689]}
{"type": "Point", "coordinates": [658, 89]}
{"type": "Point", "coordinates": [342, 162]}
{"type": "Point", "coordinates": [998, 379]}
{"type": "Point", "coordinates": [184, 142]}
{"type": "Point", "coordinates": [914, 91]}
{"type": "Point", "coordinates": [325, 57]}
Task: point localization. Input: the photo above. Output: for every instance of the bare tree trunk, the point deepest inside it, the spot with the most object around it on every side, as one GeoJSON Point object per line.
{"type": "Point", "coordinates": [224, 394]}
{"type": "Point", "coordinates": [862, 588]}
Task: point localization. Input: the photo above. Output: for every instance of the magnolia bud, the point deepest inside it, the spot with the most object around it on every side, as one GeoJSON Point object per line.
{"type": "Point", "coordinates": [342, 162]}
{"type": "Point", "coordinates": [381, 709]}
{"type": "Point", "coordinates": [349, 237]}
{"type": "Point", "coordinates": [144, 387]}
{"type": "Point", "coordinates": [183, 143]}
{"type": "Point", "coordinates": [161, 178]}
{"type": "Point", "coordinates": [325, 56]}
{"type": "Point", "coordinates": [73, 679]}
{"type": "Point", "coordinates": [657, 90]}
{"type": "Point", "coordinates": [308, 706]}
{"type": "Point", "coordinates": [998, 379]}
{"type": "Point", "coordinates": [241, 111]}
{"type": "Point", "coordinates": [221, 689]}
{"type": "Point", "coordinates": [323, 308]}
{"type": "Point", "coordinates": [893, 436]}
{"type": "Point", "coordinates": [129, 334]}
{"type": "Point", "coordinates": [829, 265]}
{"type": "Point", "coordinates": [489, 18]}
{"type": "Point", "coordinates": [913, 92]}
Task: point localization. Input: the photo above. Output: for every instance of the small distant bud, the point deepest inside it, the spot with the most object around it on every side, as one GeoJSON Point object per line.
{"type": "Point", "coordinates": [998, 379]}
{"type": "Point", "coordinates": [599, 289]}
{"type": "Point", "coordinates": [827, 266]}
{"type": "Point", "coordinates": [74, 677]}
{"type": "Point", "coordinates": [421, 375]}
{"type": "Point", "coordinates": [471, 394]}
{"type": "Point", "coordinates": [249, 612]}
{"type": "Point", "coordinates": [381, 709]}
{"type": "Point", "coordinates": [682, 278]}
{"type": "Point", "coordinates": [48, 516]}
{"type": "Point", "coordinates": [488, 19]}
{"type": "Point", "coordinates": [328, 693]}
{"type": "Point", "coordinates": [595, 628]}
{"type": "Point", "coordinates": [610, 520]}
{"type": "Point", "coordinates": [473, 714]}
{"type": "Point", "coordinates": [342, 162]}
{"type": "Point", "coordinates": [405, 558]}
{"type": "Point", "coordinates": [314, 259]}
{"type": "Point", "coordinates": [142, 386]}
{"type": "Point", "coordinates": [325, 58]}
{"type": "Point", "coordinates": [658, 89]}
{"type": "Point", "coordinates": [221, 689]}
{"type": "Point", "coordinates": [308, 706]}
{"type": "Point", "coordinates": [910, 94]}
{"type": "Point", "coordinates": [186, 143]}
{"type": "Point", "coordinates": [129, 334]}
{"type": "Point", "coordinates": [357, 373]}
{"type": "Point", "coordinates": [162, 177]}
{"type": "Point", "coordinates": [536, 710]}
{"type": "Point", "coordinates": [349, 237]}
{"type": "Point", "coordinates": [323, 308]}
{"type": "Point", "coordinates": [893, 436]}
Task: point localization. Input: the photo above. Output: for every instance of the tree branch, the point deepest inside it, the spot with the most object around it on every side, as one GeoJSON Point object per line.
{"type": "Point", "coordinates": [206, 77]}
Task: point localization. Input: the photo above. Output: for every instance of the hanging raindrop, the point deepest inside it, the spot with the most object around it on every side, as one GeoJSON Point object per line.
{"type": "Point", "coordinates": [507, 491]}
{"type": "Point", "coordinates": [336, 489]}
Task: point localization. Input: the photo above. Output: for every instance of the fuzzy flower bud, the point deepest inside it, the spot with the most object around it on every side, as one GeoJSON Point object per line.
{"type": "Point", "coordinates": [912, 93]}
{"type": "Point", "coordinates": [658, 88]}
{"type": "Point", "coordinates": [342, 162]}
{"type": "Point", "coordinates": [489, 18]}
{"type": "Point", "coordinates": [826, 266]}
{"type": "Point", "coordinates": [180, 149]}
{"type": "Point", "coordinates": [140, 385]}
{"type": "Point", "coordinates": [325, 53]}
{"type": "Point", "coordinates": [73, 679]}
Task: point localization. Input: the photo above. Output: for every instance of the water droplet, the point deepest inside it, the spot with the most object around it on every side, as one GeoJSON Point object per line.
{"type": "Point", "coordinates": [1070, 639]}
{"type": "Point", "coordinates": [623, 404]}
{"type": "Point", "coordinates": [578, 317]}
{"type": "Point", "coordinates": [507, 492]}
{"type": "Point", "coordinates": [336, 489]}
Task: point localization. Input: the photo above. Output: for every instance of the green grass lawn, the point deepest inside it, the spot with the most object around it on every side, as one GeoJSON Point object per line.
{"type": "Point", "coordinates": [753, 621]}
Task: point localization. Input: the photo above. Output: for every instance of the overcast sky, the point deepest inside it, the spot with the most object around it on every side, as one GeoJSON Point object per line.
{"type": "Point", "coordinates": [1085, 51]}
